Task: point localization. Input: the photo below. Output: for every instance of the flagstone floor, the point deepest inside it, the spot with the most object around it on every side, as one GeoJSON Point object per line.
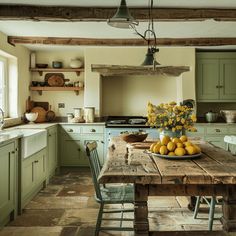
{"type": "Point", "coordinates": [66, 207]}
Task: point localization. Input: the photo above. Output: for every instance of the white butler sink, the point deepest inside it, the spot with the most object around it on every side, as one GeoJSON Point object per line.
{"type": "Point", "coordinates": [32, 140]}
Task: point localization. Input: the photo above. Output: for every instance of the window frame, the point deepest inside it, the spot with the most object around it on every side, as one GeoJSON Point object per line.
{"type": "Point", "coordinates": [4, 60]}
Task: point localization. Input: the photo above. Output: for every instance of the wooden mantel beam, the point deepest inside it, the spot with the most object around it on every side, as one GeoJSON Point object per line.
{"type": "Point", "coordinates": [68, 13]}
{"type": "Point", "coordinates": [121, 42]}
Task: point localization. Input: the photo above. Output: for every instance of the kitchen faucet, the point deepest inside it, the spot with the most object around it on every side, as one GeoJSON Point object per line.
{"type": "Point", "coordinates": [1, 119]}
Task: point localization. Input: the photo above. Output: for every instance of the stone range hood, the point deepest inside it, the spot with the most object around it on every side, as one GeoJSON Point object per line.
{"type": "Point", "coordinates": [121, 70]}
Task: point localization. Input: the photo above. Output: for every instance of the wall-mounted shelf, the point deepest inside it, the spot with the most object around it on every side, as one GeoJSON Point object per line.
{"type": "Point", "coordinates": [41, 70]}
{"type": "Point", "coordinates": [41, 89]}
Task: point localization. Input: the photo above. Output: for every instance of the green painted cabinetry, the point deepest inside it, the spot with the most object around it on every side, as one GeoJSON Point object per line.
{"type": "Point", "coordinates": [8, 180]}
{"type": "Point", "coordinates": [73, 139]}
{"type": "Point", "coordinates": [52, 162]}
{"type": "Point", "coordinates": [216, 77]}
{"type": "Point", "coordinates": [33, 176]}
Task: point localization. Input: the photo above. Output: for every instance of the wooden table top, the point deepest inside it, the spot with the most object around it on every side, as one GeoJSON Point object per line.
{"type": "Point", "coordinates": [123, 165]}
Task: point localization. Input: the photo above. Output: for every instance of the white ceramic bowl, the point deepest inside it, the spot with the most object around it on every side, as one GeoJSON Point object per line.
{"type": "Point", "coordinates": [32, 116]}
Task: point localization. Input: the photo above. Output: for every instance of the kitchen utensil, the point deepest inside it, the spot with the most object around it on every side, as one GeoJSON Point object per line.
{"type": "Point", "coordinates": [57, 64]}
{"type": "Point", "coordinates": [211, 116]}
{"type": "Point", "coordinates": [76, 63]}
{"type": "Point", "coordinates": [41, 114]}
{"type": "Point", "coordinates": [50, 115]}
{"type": "Point", "coordinates": [31, 116]}
{"type": "Point", "coordinates": [229, 115]}
{"type": "Point", "coordinates": [41, 83]}
{"type": "Point", "coordinates": [89, 114]}
{"type": "Point", "coordinates": [131, 138]}
{"type": "Point", "coordinates": [34, 83]}
{"type": "Point", "coordinates": [29, 105]}
{"type": "Point", "coordinates": [44, 105]}
{"type": "Point", "coordinates": [41, 65]}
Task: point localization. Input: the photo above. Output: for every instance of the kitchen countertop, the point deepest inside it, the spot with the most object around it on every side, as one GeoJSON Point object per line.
{"type": "Point", "coordinates": [5, 138]}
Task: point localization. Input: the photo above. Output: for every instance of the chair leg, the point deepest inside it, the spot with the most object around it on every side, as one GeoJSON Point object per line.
{"type": "Point", "coordinates": [211, 213]}
{"type": "Point", "coordinates": [196, 207]}
{"type": "Point", "coordinates": [99, 219]}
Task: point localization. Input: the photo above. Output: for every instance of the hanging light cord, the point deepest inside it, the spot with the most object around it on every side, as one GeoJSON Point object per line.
{"type": "Point", "coordinates": [148, 34]}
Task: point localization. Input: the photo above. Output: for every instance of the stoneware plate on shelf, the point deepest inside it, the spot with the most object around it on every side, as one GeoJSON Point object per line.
{"type": "Point", "coordinates": [55, 79]}
{"type": "Point", "coordinates": [185, 157]}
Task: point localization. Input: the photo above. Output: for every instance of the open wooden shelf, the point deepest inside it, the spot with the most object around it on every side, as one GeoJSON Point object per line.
{"type": "Point", "coordinates": [41, 89]}
{"type": "Point", "coordinates": [41, 70]}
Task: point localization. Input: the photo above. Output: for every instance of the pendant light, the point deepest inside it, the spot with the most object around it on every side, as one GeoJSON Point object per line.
{"type": "Point", "coordinates": [122, 18]}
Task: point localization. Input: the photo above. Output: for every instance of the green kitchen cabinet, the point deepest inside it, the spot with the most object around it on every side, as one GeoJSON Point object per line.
{"type": "Point", "coordinates": [73, 139]}
{"type": "Point", "coordinates": [8, 182]}
{"type": "Point", "coordinates": [33, 176]}
{"type": "Point", "coordinates": [52, 161]}
{"type": "Point", "coordinates": [216, 77]}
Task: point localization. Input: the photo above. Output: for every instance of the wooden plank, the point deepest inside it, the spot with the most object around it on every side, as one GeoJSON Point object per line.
{"type": "Point", "coordinates": [120, 42]}
{"type": "Point", "coordinates": [119, 70]}
{"type": "Point", "coordinates": [56, 69]}
{"type": "Point", "coordinates": [38, 88]}
{"type": "Point", "coordinates": [96, 14]}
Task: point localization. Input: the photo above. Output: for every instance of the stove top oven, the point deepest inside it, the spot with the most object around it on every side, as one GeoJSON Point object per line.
{"type": "Point", "coordinates": [117, 124]}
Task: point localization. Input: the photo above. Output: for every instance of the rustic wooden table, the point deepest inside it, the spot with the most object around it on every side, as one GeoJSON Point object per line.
{"type": "Point", "coordinates": [213, 174]}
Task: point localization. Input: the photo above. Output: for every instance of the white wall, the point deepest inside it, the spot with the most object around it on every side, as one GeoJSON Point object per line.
{"type": "Point", "coordinates": [129, 95]}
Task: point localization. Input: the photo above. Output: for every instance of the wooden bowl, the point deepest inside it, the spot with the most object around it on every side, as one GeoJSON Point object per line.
{"type": "Point", "coordinates": [41, 65]}
{"type": "Point", "coordinates": [132, 138]}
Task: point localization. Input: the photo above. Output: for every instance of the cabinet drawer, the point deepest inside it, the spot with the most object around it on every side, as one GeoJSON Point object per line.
{"type": "Point", "coordinates": [71, 128]}
{"type": "Point", "coordinates": [92, 129]}
{"type": "Point", "coordinates": [232, 129]}
{"type": "Point", "coordinates": [217, 130]}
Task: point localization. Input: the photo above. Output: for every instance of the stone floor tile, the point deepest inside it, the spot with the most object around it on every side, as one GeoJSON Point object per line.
{"type": "Point", "coordinates": [92, 203]}
{"type": "Point", "coordinates": [182, 201]}
{"type": "Point", "coordinates": [69, 231]}
{"type": "Point", "coordinates": [31, 231]}
{"type": "Point", "coordinates": [57, 202]}
{"type": "Point", "coordinates": [38, 218]}
{"type": "Point", "coordinates": [77, 217]}
{"type": "Point", "coordinates": [76, 190]}
{"type": "Point", "coordinates": [50, 190]}
{"type": "Point", "coordinates": [162, 202]}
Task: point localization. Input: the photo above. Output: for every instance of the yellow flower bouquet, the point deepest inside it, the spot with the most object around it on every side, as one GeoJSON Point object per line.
{"type": "Point", "coordinates": [172, 117]}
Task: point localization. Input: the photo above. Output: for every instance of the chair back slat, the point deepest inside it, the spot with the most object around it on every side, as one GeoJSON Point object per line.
{"type": "Point", "coordinates": [92, 154]}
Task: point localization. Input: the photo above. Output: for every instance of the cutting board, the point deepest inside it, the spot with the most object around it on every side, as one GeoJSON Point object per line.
{"type": "Point", "coordinates": [41, 114]}
{"type": "Point", "coordinates": [140, 145]}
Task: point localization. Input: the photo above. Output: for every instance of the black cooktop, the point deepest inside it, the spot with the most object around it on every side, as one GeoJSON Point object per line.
{"type": "Point", "coordinates": [126, 121]}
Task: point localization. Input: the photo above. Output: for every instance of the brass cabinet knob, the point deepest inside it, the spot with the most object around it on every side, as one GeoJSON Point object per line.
{"type": "Point", "coordinates": [93, 130]}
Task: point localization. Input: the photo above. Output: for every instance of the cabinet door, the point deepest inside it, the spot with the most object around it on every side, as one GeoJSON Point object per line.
{"type": "Point", "coordinates": [100, 147]}
{"type": "Point", "coordinates": [70, 150]}
{"type": "Point", "coordinates": [52, 152]}
{"type": "Point", "coordinates": [7, 180]}
{"type": "Point", "coordinates": [228, 79]}
{"type": "Point", "coordinates": [207, 79]}
{"type": "Point", "coordinates": [39, 166]}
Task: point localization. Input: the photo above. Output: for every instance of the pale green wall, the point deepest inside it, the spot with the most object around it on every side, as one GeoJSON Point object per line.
{"type": "Point", "coordinates": [54, 97]}
{"type": "Point", "coordinates": [129, 95]}
{"type": "Point", "coordinates": [22, 55]}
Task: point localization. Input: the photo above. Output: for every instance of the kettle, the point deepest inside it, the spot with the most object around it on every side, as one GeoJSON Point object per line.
{"type": "Point", "coordinates": [211, 116]}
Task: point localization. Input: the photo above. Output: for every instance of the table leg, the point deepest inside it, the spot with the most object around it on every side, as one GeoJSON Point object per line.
{"type": "Point", "coordinates": [229, 210]}
{"type": "Point", "coordinates": [141, 226]}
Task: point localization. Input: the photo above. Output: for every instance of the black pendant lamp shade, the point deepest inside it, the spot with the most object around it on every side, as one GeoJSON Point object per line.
{"type": "Point", "coordinates": [122, 18]}
{"type": "Point", "coordinates": [149, 58]}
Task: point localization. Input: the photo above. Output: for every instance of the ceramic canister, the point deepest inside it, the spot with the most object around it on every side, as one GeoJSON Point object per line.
{"type": "Point", "coordinates": [89, 113]}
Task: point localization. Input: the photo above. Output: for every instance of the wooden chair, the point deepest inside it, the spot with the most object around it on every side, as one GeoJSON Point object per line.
{"type": "Point", "coordinates": [230, 142]}
{"type": "Point", "coordinates": [106, 195]}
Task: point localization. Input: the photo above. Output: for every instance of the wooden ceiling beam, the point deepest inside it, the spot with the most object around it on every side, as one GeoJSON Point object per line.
{"type": "Point", "coordinates": [66, 13]}
{"type": "Point", "coordinates": [120, 42]}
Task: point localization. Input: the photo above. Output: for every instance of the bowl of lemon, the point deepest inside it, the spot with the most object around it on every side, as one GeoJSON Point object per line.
{"type": "Point", "coordinates": [175, 148]}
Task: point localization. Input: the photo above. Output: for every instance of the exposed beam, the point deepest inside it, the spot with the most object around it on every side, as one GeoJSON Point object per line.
{"type": "Point", "coordinates": [121, 42]}
{"type": "Point", "coordinates": [60, 13]}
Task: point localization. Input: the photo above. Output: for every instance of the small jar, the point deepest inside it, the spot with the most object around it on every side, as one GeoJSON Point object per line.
{"type": "Point", "coordinates": [78, 112]}
{"type": "Point", "coordinates": [69, 117]}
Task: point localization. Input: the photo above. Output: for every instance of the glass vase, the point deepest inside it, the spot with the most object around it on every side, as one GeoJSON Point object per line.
{"type": "Point", "coordinates": [170, 133]}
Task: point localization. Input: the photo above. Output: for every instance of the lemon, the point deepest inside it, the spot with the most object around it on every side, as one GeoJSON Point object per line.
{"type": "Point", "coordinates": [171, 146]}
{"type": "Point", "coordinates": [176, 140]}
{"type": "Point", "coordinates": [156, 148]}
{"type": "Point", "coordinates": [183, 138]}
{"type": "Point", "coordinates": [152, 147]}
{"type": "Point", "coordinates": [180, 151]}
{"type": "Point", "coordinates": [163, 150]}
{"type": "Point", "coordinates": [179, 145]}
{"type": "Point", "coordinates": [165, 140]}
{"type": "Point", "coordinates": [191, 150]}
{"type": "Point", "coordinates": [186, 144]}
{"type": "Point", "coordinates": [171, 154]}
{"type": "Point", "coordinates": [198, 149]}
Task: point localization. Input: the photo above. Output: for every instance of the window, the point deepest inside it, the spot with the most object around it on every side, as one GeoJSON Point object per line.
{"type": "Point", "coordinates": [3, 86]}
